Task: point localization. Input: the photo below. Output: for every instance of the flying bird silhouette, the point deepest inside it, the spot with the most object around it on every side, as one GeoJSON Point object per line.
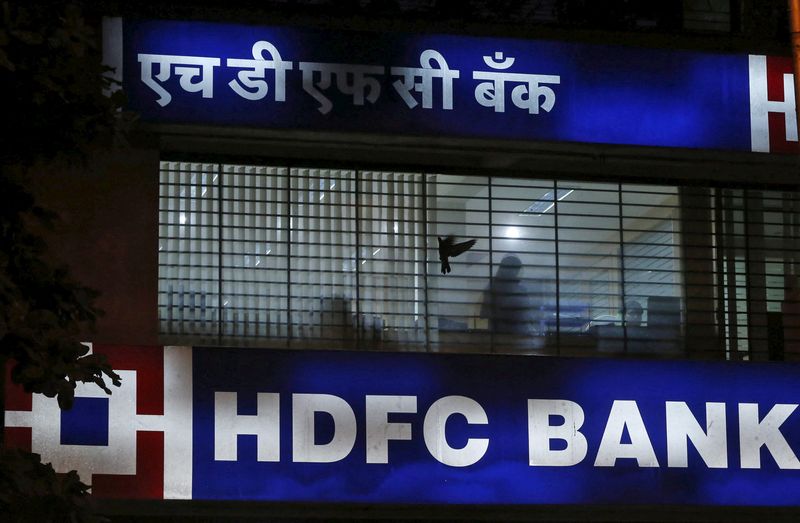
{"type": "Point", "coordinates": [448, 248]}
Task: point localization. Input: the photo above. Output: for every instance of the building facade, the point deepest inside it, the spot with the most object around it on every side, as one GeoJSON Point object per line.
{"type": "Point", "coordinates": [299, 335]}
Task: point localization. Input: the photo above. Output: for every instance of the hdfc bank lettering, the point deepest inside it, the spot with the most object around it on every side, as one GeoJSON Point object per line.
{"type": "Point", "coordinates": [554, 431]}
{"type": "Point", "coordinates": [418, 428]}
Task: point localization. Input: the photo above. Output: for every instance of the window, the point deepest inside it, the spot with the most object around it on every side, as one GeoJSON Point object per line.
{"type": "Point", "coordinates": [281, 256]}
{"type": "Point", "coordinates": [756, 237]}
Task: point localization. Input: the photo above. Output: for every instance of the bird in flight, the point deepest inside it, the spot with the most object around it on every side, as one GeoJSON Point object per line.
{"type": "Point", "coordinates": [448, 248]}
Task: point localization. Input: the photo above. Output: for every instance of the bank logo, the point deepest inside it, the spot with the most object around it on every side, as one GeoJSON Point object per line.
{"type": "Point", "coordinates": [773, 120]}
{"type": "Point", "coordinates": [135, 443]}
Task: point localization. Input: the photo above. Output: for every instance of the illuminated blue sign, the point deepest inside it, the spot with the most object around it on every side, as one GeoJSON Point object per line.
{"type": "Point", "coordinates": [432, 428]}
{"type": "Point", "coordinates": [290, 78]}
{"type": "Point", "coordinates": [370, 427]}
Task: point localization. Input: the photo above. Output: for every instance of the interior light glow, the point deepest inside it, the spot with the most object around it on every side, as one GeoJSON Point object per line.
{"type": "Point", "coordinates": [183, 218]}
{"type": "Point", "coordinates": [512, 232]}
{"type": "Point", "coordinates": [545, 203]}
{"type": "Point", "coordinates": [376, 251]}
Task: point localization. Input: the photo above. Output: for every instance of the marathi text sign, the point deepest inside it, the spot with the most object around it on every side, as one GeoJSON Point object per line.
{"type": "Point", "coordinates": [289, 78]}
{"type": "Point", "coordinates": [425, 428]}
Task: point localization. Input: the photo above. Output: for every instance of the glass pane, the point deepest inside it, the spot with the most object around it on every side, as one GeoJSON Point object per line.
{"type": "Point", "coordinates": [254, 249]}
{"type": "Point", "coordinates": [523, 265]}
{"type": "Point", "coordinates": [322, 268]}
{"type": "Point", "coordinates": [589, 291]}
{"type": "Point", "coordinates": [391, 260]}
{"type": "Point", "coordinates": [188, 252]}
{"type": "Point", "coordinates": [457, 208]}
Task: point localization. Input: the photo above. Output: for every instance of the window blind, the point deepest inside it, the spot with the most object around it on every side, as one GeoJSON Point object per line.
{"type": "Point", "coordinates": [304, 257]}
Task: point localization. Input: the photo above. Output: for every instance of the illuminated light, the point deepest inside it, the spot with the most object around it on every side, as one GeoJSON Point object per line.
{"type": "Point", "coordinates": [226, 303]}
{"type": "Point", "coordinates": [258, 261]}
{"type": "Point", "coordinates": [183, 218]}
{"type": "Point", "coordinates": [376, 251]}
{"type": "Point", "coordinates": [321, 197]}
{"type": "Point", "coordinates": [545, 203]}
{"type": "Point", "coordinates": [363, 262]}
{"type": "Point", "coordinates": [204, 191]}
{"type": "Point", "coordinates": [512, 232]}
{"type": "Point", "coordinates": [396, 228]}
{"type": "Point", "coordinates": [268, 251]}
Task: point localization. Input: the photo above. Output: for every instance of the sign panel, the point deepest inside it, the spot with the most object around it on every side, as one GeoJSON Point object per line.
{"type": "Point", "coordinates": [444, 85]}
{"type": "Point", "coordinates": [255, 424]}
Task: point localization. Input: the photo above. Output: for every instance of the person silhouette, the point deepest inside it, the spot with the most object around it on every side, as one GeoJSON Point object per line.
{"type": "Point", "coordinates": [633, 314]}
{"type": "Point", "coordinates": [509, 305]}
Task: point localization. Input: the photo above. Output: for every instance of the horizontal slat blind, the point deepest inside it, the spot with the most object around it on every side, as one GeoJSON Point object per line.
{"type": "Point", "coordinates": [188, 257]}
{"type": "Point", "coordinates": [328, 258]}
{"type": "Point", "coordinates": [253, 254]}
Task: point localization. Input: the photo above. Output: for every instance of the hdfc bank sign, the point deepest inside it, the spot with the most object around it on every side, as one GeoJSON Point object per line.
{"type": "Point", "coordinates": [420, 428]}
{"type": "Point", "coordinates": [451, 85]}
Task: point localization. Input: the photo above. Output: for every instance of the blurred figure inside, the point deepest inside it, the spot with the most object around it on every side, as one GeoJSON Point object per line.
{"type": "Point", "coordinates": [509, 305]}
{"type": "Point", "coordinates": [633, 313]}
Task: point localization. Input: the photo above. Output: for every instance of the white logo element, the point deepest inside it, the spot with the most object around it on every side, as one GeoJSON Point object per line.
{"type": "Point", "coordinates": [119, 456]}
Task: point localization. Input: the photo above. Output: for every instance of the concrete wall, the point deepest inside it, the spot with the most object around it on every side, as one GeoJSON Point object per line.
{"type": "Point", "coordinates": [108, 236]}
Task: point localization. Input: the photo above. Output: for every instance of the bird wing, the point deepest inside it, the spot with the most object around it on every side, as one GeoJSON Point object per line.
{"type": "Point", "coordinates": [458, 248]}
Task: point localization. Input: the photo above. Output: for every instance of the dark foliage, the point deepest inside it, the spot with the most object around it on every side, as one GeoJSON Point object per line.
{"type": "Point", "coordinates": [54, 111]}
{"type": "Point", "coordinates": [52, 81]}
{"type": "Point", "coordinates": [31, 492]}
{"type": "Point", "coordinates": [42, 310]}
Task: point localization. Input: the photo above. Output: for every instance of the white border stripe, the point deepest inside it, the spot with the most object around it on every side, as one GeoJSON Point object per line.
{"type": "Point", "coordinates": [177, 423]}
